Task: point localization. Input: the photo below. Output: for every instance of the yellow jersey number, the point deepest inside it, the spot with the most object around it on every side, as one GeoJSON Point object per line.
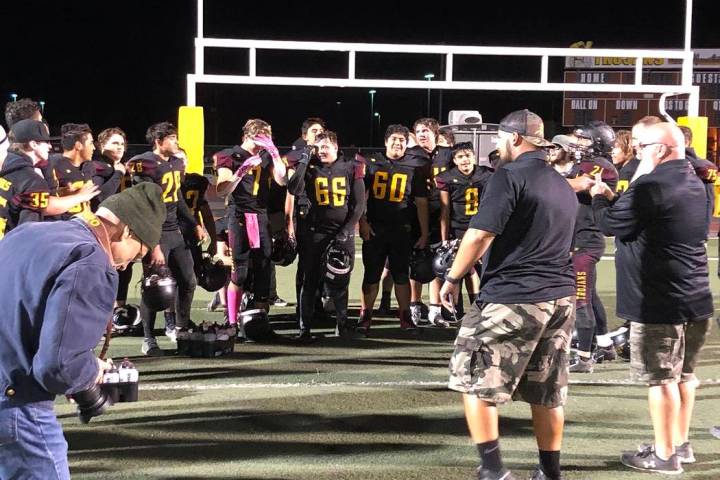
{"type": "Point", "coordinates": [39, 200]}
{"type": "Point", "coordinates": [335, 187]}
{"type": "Point", "coordinates": [171, 184]}
{"type": "Point", "coordinates": [397, 183]}
{"type": "Point", "coordinates": [471, 201]}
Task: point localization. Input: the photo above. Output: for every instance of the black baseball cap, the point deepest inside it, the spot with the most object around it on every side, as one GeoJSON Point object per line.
{"type": "Point", "coordinates": [27, 130]}
{"type": "Point", "coordinates": [527, 124]}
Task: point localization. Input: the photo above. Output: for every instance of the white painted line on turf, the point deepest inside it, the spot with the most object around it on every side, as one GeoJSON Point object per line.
{"type": "Point", "coordinates": [408, 383]}
{"type": "Point", "coordinates": [144, 447]}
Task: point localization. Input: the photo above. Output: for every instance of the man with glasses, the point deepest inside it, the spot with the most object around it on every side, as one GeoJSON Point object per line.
{"type": "Point", "coordinates": [513, 342]}
{"type": "Point", "coordinates": [627, 171]}
{"type": "Point", "coordinates": [55, 304]}
{"type": "Point", "coordinates": [660, 227]}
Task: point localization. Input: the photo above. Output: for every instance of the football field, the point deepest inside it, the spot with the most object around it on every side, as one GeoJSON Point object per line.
{"type": "Point", "coordinates": [375, 408]}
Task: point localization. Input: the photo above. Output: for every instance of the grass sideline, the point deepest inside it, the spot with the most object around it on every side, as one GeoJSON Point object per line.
{"type": "Point", "coordinates": [372, 409]}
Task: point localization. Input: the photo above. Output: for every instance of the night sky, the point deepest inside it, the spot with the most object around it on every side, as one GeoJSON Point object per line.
{"type": "Point", "coordinates": [124, 63]}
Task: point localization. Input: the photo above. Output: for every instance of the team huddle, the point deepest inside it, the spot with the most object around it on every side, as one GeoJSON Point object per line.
{"type": "Point", "coordinates": [523, 232]}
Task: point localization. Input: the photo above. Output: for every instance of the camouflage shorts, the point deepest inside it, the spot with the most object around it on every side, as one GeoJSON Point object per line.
{"type": "Point", "coordinates": [515, 351]}
{"type": "Point", "coordinates": [661, 353]}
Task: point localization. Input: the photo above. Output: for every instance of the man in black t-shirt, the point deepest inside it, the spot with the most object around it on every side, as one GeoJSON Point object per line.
{"type": "Point", "coordinates": [513, 343]}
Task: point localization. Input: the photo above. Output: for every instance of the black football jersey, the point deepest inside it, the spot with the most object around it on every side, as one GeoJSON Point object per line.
{"type": "Point", "coordinates": [23, 192]}
{"type": "Point", "coordinates": [328, 188]}
{"type": "Point", "coordinates": [587, 234]}
{"type": "Point", "coordinates": [465, 192]}
{"type": "Point", "coordinates": [392, 186]}
{"type": "Point", "coordinates": [69, 179]}
{"type": "Point", "coordinates": [169, 174]}
{"type": "Point", "coordinates": [193, 191]}
{"type": "Point", "coordinates": [625, 174]}
{"type": "Point", "coordinates": [253, 192]}
{"type": "Point", "coordinates": [438, 161]}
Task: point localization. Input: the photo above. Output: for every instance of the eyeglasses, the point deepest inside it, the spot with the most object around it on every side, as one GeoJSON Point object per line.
{"type": "Point", "coordinates": [642, 146]}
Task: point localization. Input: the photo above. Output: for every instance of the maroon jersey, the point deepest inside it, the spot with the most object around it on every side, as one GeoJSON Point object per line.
{"type": "Point", "coordinates": [253, 192]}
{"type": "Point", "coordinates": [465, 192]}
{"type": "Point", "coordinates": [169, 174]}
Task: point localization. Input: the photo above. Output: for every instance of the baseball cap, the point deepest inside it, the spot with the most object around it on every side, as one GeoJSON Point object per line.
{"type": "Point", "coordinates": [28, 130]}
{"type": "Point", "coordinates": [526, 124]}
{"type": "Point", "coordinates": [564, 141]}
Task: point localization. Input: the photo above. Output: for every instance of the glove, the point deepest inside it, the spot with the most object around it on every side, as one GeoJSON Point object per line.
{"type": "Point", "coordinates": [267, 143]}
{"type": "Point", "coordinates": [307, 154]}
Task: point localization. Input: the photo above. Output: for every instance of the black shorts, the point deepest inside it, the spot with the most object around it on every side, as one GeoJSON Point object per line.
{"type": "Point", "coordinates": [391, 244]}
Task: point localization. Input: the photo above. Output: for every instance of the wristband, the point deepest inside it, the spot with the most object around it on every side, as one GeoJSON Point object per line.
{"type": "Point", "coordinates": [451, 280]}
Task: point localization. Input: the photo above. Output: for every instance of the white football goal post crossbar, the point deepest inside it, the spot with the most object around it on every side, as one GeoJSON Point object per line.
{"type": "Point", "coordinates": [448, 53]}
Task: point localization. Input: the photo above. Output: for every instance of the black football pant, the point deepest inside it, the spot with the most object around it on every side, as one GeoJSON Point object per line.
{"type": "Point", "coordinates": [312, 256]}
{"type": "Point", "coordinates": [584, 264]}
{"type": "Point", "coordinates": [179, 260]}
{"type": "Point", "coordinates": [250, 264]}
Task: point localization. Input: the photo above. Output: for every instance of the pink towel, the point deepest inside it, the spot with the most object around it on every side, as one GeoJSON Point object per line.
{"type": "Point", "coordinates": [252, 229]}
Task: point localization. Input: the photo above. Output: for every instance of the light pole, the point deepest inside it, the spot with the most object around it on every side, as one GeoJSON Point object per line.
{"type": "Point", "coordinates": [378, 119]}
{"type": "Point", "coordinates": [372, 121]}
{"type": "Point", "coordinates": [14, 97]}
{"type": "Point", "coordinates": [428, 77]}
{"type": "Point", "coordinates": [42, 106]}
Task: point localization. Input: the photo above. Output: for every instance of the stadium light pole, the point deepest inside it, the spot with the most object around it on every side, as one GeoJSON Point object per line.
{"type": "Point", "coordinates": [372, 120]}
{"type": "Point", "coordinates": [42, 106]}
{"type": "Point", "coordinates": [428, 77]}
{"type": "Point", "coordinates": [378, 116]}
{"type": "Point", "coordinates": [14, 97]}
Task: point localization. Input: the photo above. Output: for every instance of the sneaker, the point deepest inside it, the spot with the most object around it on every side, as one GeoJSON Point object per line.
{"type": "Point", "coordinates": [416, 314]}
{"type": "Point", "coordinates": [214, 304]}
{"type": "Point", "coordinates": [306, 337]}
{"type": "Point", "coordinates": [171, 333]}
{"type": "Point", "coordinates": [435, 318]}
{"type": "Point", "coordinates": [385, 309]}
{"type": "Point", "coordinates": [582, 366]}
{"type": "Point", "coordinates": [647, 461]}
{"type": "Point", "coordinates": [278, 302]}
{"type": "Point", "coordinates": [608, 353]}
{"type": "Point", "coordinates": [684, 452]}
{"type": "Point", "coordinates": [150, 348]}
{"type": "Point", "coordinates": [364, 322]}
{"type": "Point", "coordinates": [407, 322]}
{"type": "Point", "coordinates": [538, 474]}
{"type": "Point", "coordinates": [485, 474]}
{"type": "Point", "coordinates": [715, 432]}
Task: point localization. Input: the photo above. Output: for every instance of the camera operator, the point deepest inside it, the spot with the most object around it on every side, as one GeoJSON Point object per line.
{"type": "Point", "coordinates": [50, 321]}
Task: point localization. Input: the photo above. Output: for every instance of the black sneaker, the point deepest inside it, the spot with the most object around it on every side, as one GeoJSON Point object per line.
{"type": "Point", "coordinates": [538, 474]}
{"type": "Point", "coordinates": [485, 474]}
{"type": "Point", "coordinates": [150, 348]}
{"type": "Point", "coordinates": [647, 461]}
{"type": "Point", "coordinates": [608, 353]}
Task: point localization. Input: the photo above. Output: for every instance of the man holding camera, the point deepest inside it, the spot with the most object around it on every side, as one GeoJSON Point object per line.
{"type": "Point", "coordinates": [50, 321]}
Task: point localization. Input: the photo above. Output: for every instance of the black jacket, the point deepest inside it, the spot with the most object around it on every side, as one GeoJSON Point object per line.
{"type": "Point", "coordinates": [660, 224]}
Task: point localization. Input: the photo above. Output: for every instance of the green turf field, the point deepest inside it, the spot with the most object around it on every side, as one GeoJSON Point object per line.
{"type": "Point", "coordinates": [370, 409]}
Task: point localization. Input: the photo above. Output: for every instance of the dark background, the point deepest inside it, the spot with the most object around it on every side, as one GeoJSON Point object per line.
{"type": "Point", "coordinates": [124, 63]}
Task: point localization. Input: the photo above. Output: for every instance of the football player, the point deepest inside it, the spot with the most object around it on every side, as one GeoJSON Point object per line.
{"type": "Point", "coordinates": [579, 158]}
{"type": "Point", "coordinates": [335, 189]}
{"type": "Point", "coordinates": [107, 170]}
{"type": "Point", "coordinates": [437, 159]}
{"type": "Point", "coordinates": [245, 173]}
{"type": "Point", "coordinates": [397, 190]}
{"type": "Point", "coordinates": [460, 190]}
{"type": "Point", "coordinates": [162, 167]}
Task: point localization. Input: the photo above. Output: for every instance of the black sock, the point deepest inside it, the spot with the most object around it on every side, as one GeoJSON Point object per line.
{"type": "Point", "coordinates": [550, 463]}
{"type": "Point", "coordinates": [385, 298]}
{"type": "Point", "coordinates": [490, 455]}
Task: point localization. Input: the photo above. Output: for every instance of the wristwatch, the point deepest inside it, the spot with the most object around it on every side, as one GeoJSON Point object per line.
{"type": "Point", "coordinates": [452, 280]}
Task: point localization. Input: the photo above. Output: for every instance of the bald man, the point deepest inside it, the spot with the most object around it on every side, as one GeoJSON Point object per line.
{"type": "Point", "coordinates": [663, 287]}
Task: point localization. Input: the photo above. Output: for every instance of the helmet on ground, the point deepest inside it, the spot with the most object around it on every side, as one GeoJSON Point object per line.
{"type": "Point", "coordinates": [159, 289]}
{"type": "Point", "coordinates": [126, 319]}
{"type": "Point", "coordinates": [256, 325]}
{"type": "Point", "coordinates": [621, 342]}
